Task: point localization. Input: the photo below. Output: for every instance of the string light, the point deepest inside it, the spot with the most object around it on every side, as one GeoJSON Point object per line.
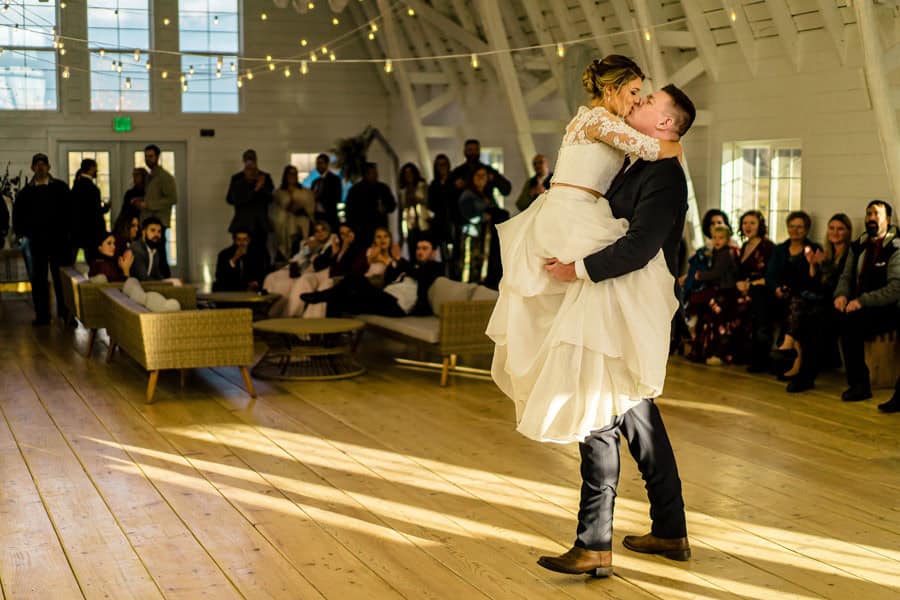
{"type": "Point", "coordinates": [310, 5]}
{"type": "Point", "coordinates": [263, 16]}
{"type": "Point", "coordinates": [240, 82]}
{"type": "Point", "coordinates": [102, 52]}
{"type": "Point", "coordinates": [271, 66]}
{"type": "Point", "coordinates": [560, 50]}
{"type": "Point", "coordinates": [219, 63]}
{"type": "Point", "coordinates": [164, 75]}
{"type": "Point", "coordinates": [65, 72]}
{"type": "Point", "coordinates": [410, 11]}
{"type": "Point", "coordinates": [218, 74]}
{"type": "Point", "coordinates": [166, 21]}
{"type": "Point", "coordinates": [374, 27]}
{"type": "Point", "coordinates": [332, 57]}
{"type": "Point", "coordinates": [62, 4]}
{"type": "Point", "coordinates": [62, 51]}
{"type": "Point", "coordinates": [119, 67]}
{"type": "Point", "coordinates": [233, 67]}
{"type": "Point", "coordinates": [148, 65]}
{"type": "Point", "coordinates": [474, 61]}
{"type": "Point", "coordinates": [324, 50]}
{"type": "Point", "coordinates": [183, 78]}
{"type": "Point", "coordinates": [388, 66]}
{"type": "Point", "coordinates": [733, 16]}
{"type": "Point", "coordinates": [249, 75]}
{"type": "Point", "coordinates": [647, 35]}
{"type": "Point", "coordinates": [184, 86]}
{"type": "Point", "coordinates": [128, 83]}
{"type": "Point", "coordinates": [303, 42]}
{"type": "Point", "coordinates": [335, 21]}
{"type": "Point", "coordinates": [191, 70]}
{"type": "Point", "coordinates": [216, 20]}
{"type": "Point", "coordinates": [268, 58]}
{"type": "Point", "coordinates": [137, 56]}
{"type": "Point", "coordinates": [371, 35]}
{"type": "Point", "coordinates": [287, 72]}
{"type": "Point", "coordinates": [313, 57]}
{"type": "Point", "coordinates": [304, 67]}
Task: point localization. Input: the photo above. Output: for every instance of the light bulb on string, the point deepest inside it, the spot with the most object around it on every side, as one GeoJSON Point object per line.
{"type": "Point", "coordinates": [137, 56]}
{"type": "Point", "coordinates": [218, 74]}
{"type": "Point", "coordinates": [249, 75]}
{"type": "Point", "coordinates": [733, 16]}
{"type": "Point", "coordinates": [240, 82]}
{"type": "Point", "coordinates": [388, 66]}
{"type": "Point", "coordinates": [65, 72]}
{"type": "Point", "coordinates": [183, 78]}
{"type": "Point", "coordinates": [263, 16]}
{"type": "Point", "coordinates": [5, 6]}
{"type": "Point", "coordinates": [216, 20]}
{"type": "Point", "coordinates": [560, 50]}
{"type": "Point", "coordinates": [410, 11]}
{"type": "Point", "coordinates": [102, 52]}
{"type": "Point", "coordinates": [164, 74]}
{"type": "Point", "coordinates": [324, 50]}
{"type": "Point", "coordinates": [371, 35]}
{"type": "Point", "coordinates": [113, 65]}
{"type": "Point", "coordinates": [373, 26]}
{"type": "Point", "coordinates": [647, 35]}
{"type": "Point", "coordinates": [287, 71]}
{"type": "Point", "coordinates": [303, 42]}
{"type": "Point", "coordinates": [304, 67]}
{"type": "Point", "coordinates": [191, 70]}
{"type": "Point", "coordinates": [232, 66]}
{"type": "Point", "coordinates": [310, 5]}
{"type": "Point", "coordinates": [148, 65]}
{"type": "Point", "coordinates": [474, 61]}
{"type": "Point", "coordinates": [166, 21]}
{"type": "Point", "coordinates": [332, 57]}
{"type": "Point", "coordinates": [272, 66]}
{"type": "Point", "coordinates": [184, 86]}
{"type": "Point", "coordinates": [62, 4]}
{"type": "Point", "coordinates": [119, 67]}
{"type": "Point", "coordinates": [62, 51]}
{"type": "Point", "coordinates": [128, 83]}
{"type": "Point", "coordinates": [335, 21]}
{"type": "Point", "coordinates": [313, 57]}
{"type": "Point", "coordinates": [219, 62]}
{"type": "Point", "coordinates": [268, 58]}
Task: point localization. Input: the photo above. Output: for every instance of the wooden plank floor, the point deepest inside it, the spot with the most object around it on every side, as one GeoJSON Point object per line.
{"type": "Point", "coordinates": [387, 486]}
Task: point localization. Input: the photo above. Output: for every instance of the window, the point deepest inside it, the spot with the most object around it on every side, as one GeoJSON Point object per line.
{"type": "Point", "coordinates": [764, 176]}
{"type": "Point", "coordinates": [167, 162]}
{"type": "Point", "coordinates": [28, 59]}
{"type": "Point", "coordinates": [119, 37]}
{"type": "Point", "coordinates": [209, 30]}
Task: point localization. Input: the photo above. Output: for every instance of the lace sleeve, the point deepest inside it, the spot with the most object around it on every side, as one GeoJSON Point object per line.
{"type": "Point", "coordinates": [601, 126]}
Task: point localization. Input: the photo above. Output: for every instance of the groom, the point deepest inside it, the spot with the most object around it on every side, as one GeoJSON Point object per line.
{"type": "Point", "coordinates": [653, 197]}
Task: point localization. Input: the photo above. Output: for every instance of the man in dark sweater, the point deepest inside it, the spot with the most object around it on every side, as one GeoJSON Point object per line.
{"type": "Point", "coordinates": [327, 189]}
{"type": "Point", "coordinates": [240, 268]}
{"type": "Point", "coordinates": [462, 175]}
{"type": "Point", "coordinates": [88, 209]}
{"type": "Point", "coordinates": [250, 192]}
{"type": "Point", "coordinates": [42, 214]}
{"type": "Point", "coordinates": [369, 202]}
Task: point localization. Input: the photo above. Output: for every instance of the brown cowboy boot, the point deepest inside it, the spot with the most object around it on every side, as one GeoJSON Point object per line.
{"type": "Point", "coordinates": [579, 561]}
{"type": "Point", "coordinates": [675, 548]}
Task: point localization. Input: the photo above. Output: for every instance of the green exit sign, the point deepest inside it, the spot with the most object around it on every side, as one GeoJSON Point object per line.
{"type": "Point", "coordinates": [122, 124]}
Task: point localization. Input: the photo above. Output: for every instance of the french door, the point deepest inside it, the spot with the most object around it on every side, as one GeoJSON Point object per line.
{"type": "Point", "coordinates": [115, 163]}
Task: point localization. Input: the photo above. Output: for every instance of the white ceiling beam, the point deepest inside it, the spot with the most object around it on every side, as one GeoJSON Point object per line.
{"type": "Point", "coordinates": [447, 26]}
{"type": "Point", "coordinates": [880, 93]}
{"type": "Point", "coordinates": [390, 85]}
{"type": "Point", "coordinates": [787, 31]}
{"type": "Point", "coordinates": [540, 91]}
{"type": "Point", "coordinates": [551, 126]}
{"type": "Point", "coordinates": [406, 92]}
{"type": "Point", "coordinates": [707, 49]}
{"type": "Point", "coordinates": [734, 12]}
{"type": "Point", "coordinates": [676, 39]}
{"type": "Point", "coordinates": [428, 78]}
{"type": "Point", "coordinates": [658, 73]}
{"type": "Point", "coordinates": [539, 26]}
{"type": "Point", "coordinates": [441, 132]}
{"type": "Point", "coordinates": [496, 34]}
{"type": "Point", "coordinates": [626, 23]}
{"type": "Point", "coordinates": [688, 72]}
{"type": "Point", "coordinates": [437, 103]}
{"type": "Point", "coordinates": [598, 27]}
{"type": "Point", "coordinates": [536, 64]}
{"type": "Point", "coordinates": [834, 25]}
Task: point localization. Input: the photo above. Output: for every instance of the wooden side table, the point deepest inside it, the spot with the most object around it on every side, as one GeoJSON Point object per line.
{"type": "Point", "coordinates": [309, 349]}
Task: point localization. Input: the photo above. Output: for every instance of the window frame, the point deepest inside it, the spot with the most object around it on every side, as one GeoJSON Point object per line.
{"type": "Point", "coordinates": [50, 48]}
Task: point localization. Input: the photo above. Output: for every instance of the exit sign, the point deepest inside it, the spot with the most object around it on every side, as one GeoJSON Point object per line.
{"type": "Point", "coordinates": [122, 124]}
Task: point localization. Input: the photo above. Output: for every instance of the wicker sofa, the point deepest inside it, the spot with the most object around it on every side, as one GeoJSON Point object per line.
{"type": "Point", "coordinates": [186, 339]}
{"type": "Point", "coordinates": [462, 312]}
{"type": "Point", "coordinates": [83, 299]}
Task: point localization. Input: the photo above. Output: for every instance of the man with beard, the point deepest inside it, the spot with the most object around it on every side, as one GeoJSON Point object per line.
{"type": "Point", "coordinates": [867, 295]}
{"type": "Point", "coordinates": [462, 175]}
{"type": "Point", "coordinates": [149, 262]}
{"type": "Point", "coordinates": [250, 192]}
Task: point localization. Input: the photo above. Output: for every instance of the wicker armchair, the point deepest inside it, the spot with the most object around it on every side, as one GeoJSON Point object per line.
{"type": "Point", "coordinates": [83, 300]}
{"type": "Point", "coordinates": [185, 339]}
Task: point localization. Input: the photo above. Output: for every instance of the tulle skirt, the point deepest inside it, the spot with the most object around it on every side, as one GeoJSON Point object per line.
{"type": "Point", "coordinates": [573, 355]}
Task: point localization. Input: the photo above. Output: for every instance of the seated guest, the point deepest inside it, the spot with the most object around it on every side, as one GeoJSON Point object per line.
{"type": "Point", "coordinates": [240, 268]}
{"type": "Point", "coordinates": [868, 294]}
{"type": "Point", "coordinates": [717, 321]}
{"type": "Point", "coordinates": [405, 292]}
{"type": "Point", "coordinates": [701, 260]}
{"type": "Point", "coordinates": [107, 262]}
{"type": "Point", "coordinates": [149, 263]}
{"type": "Point", "coordinates": [345, 257]}
{"type": "Point", "coordinates": [817, 331]}
{"type": "Point", "coordinates": [369, 202]}
{"type": "Point", "coordinates": [481, 215]}
{"type": "Point", "coordinates": [790, 278]}
{"type": "Point", "coordinates": [755, 341]}
{"type": "Point", "coordinates": [286, 281]}
{"type": "Point", "coordinates": [126, 229]}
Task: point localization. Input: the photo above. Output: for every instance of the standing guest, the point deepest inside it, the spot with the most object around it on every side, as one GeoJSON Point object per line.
{"type": "Point", "coordinates": [135, 195]}
{"type": "Point", "coordinates": [160, 195]}
{"type": "Point", "coordinates": [717, 320]}
{"type": "Point", "coordinates": [481, 216]}
{"type": "Point", "coordinates": [753, 299]}
{"type": "Point", "coordinates": [109, 263]}
{"type": "Point", "coordinates": [149, 260]}
{"type": "Point", "coordinates": [868, 294]}
{"type": "Point", "coordinates": [788, 278]}
{"type": "Point", "coordinates": [463, 174]}
{"type": "Point", "coordinates": [286, 281]}
{"type": "Point", "coordinates": [42, 216]}
{"type": "Point", "coordinates": [88, 209]}
{"type": "Point", "coordinates": [291, 214]}
{"type": "Point", "coordinates": [817, 331]}
{"type": "Point", "coordinates": [537, 184]}
{"type": "Point", "coordinates": [4, 221]}
{"type": "Point", "coordinates": [328, 191]}
{"type": "Point", "coordinates": [250, 192]}
{"type": "Point", "coordinates": [239, 267]}
{"type": "Point", "coordinates": [126, 229]}
{"type": "Point", "coordinates": [369, 202]}
{"type": "Point", "coordinates": [443, 201]}
{"type": "Point", "coordinates": [414, 215]}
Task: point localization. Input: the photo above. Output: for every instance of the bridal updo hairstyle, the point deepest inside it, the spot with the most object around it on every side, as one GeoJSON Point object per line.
{"type": "Point", "coordinates": [614, 70]}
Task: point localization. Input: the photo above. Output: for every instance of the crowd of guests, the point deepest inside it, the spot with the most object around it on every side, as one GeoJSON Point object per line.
{"type": "Point", "coordinates": [823, 301]}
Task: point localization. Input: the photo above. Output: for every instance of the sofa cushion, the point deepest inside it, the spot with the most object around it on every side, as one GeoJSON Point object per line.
{"type": "Point", "coordinates": [484, 293]}
{"type": "Point", "coordinates": [132, 288]}
{"type": "Point", "coordinates": [99, 278]}
{"type": "Point", "coordinates": [156, 302]}
{"type": "Point", "coordinates": [427, 329]}
{"type": "Point", "coordinates": [446, 290]}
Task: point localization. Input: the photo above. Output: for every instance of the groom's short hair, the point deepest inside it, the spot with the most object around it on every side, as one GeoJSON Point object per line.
{"type": "Point", "coordinates": [685, 113]}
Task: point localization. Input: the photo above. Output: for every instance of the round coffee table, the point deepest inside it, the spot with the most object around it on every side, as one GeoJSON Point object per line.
{"type": "Point", "coordinates": [309, 349]}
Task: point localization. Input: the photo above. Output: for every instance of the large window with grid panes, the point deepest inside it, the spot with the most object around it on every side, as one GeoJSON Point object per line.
{"type": "Point", "coordinates": [119, 41]}
{"type": "Point", "coordinates": [763, 176]}
{"type": "Point", "coordinates": [29, 44]}
{"type": "Point", "coordinates": [209, 35]}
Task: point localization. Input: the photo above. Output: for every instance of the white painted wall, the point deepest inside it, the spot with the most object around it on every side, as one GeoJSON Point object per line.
{"type": "Point", "coordinates": [278, 115]}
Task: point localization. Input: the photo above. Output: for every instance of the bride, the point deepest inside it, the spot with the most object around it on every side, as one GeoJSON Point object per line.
{"type": "Point", "coordinates": [574, 355]}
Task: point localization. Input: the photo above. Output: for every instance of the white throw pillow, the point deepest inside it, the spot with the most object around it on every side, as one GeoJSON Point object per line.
{"type": "Point", "coordinates": [156, 302]}
{"type": "Point", "coordinates": [446, 290]}
{"type": "Point", "coordinates": [132, 288]}
{"type": "Point", "coordinates": [99, 278]}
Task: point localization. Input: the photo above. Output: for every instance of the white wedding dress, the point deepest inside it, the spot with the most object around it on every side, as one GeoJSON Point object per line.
{"type": "Point", "coordinates": [574, 355]}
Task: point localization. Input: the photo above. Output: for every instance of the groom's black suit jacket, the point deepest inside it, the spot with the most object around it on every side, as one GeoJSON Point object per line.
{"type": "Point", "coordinates": [653, 197]}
